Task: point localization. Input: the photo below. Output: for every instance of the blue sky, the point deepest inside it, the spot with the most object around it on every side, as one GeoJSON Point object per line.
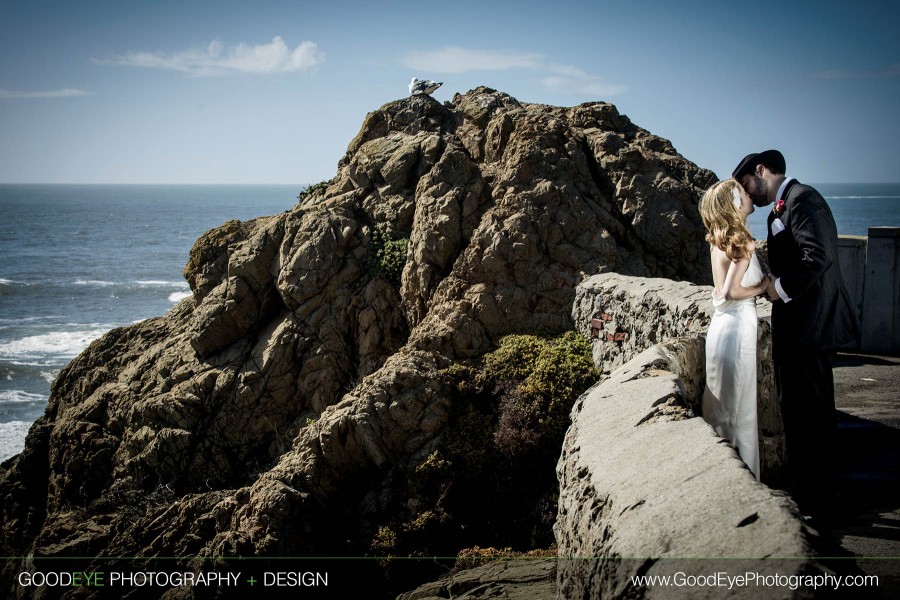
{"type": "Point", "coordinates": [272, 92]}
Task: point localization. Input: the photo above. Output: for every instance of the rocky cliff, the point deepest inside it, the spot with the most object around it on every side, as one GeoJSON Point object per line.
{"type": "Point", "coordinates": [281, 408]}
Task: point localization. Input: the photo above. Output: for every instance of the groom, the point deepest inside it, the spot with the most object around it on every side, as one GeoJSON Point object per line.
{"type": "Point", "coordinates": [812, 316]}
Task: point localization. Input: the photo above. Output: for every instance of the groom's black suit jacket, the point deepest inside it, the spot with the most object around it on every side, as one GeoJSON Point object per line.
{"type": "Point", "coordinates": [820, 316]}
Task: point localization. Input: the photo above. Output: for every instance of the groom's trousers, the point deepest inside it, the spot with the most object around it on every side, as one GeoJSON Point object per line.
{"type": "Point", "coordinates": [805, 384]}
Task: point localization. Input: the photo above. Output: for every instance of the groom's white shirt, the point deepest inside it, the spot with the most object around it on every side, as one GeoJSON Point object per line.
{"type": "Point", "coordinates": [780, 196]}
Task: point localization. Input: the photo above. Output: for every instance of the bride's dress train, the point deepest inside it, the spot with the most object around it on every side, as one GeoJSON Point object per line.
{"type": "Point", "coordinates": [729, 400]}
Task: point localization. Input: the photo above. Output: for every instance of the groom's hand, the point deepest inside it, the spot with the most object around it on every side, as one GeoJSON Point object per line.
{"type": "Point", "coordinates": [771, 292]}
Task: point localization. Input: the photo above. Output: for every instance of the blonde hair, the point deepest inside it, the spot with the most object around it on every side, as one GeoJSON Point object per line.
{"type": "Point", "coordinates": [724, 224]}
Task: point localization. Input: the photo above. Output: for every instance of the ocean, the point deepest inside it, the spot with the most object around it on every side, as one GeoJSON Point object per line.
{"type": "Point", "coordinates": [79, 260]}
{"type": "Point", "coordinates": [856, 207]}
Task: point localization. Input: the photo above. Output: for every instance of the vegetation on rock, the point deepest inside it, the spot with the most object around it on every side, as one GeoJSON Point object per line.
{"type": "Point", "coordinates": [510, 413]}
{"type": "Point", "coordinates": [312, 189]}
{"type": "Point", "coordinates": [476, 556]}
{"type": "Point", "coordinates": [387, 254]}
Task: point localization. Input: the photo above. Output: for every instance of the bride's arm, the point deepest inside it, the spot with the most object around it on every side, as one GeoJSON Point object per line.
{"type": "Point", "coordinates": [733, 290]}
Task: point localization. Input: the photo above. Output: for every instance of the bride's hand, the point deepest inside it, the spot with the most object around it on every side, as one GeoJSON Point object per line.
{"type": "Point", "coordinates": [764, 284]}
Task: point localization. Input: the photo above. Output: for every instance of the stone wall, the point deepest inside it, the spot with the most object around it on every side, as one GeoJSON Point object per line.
{"type": "Point", "coordinates": [852, 257]}
{"type": "Point", "coordinates": [647, 489]}
{"type": "Point", "coordinates": [646, 486]}
{"type": "Point", "coordinates": [625, 315]}
{"type": "Point", "coordinates": [881, 299]}
{"type": "Point", "coordinates": [869, 268]}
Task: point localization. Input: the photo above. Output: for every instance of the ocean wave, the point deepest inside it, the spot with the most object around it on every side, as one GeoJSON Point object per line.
{"type": "Point", "coordinates": [160, 283]}
{"type": "Point", "coordinates": [862, 197]}
{"type": "Point", "coordinates": [15, 370]}
{"type": "Point", "coordinates": [132, 284]}
{"type": "Point", "coordinates": [12, 438]}
{"type": "Point", "coordinates": [94, 282]}
{"type": "Point", "coordinates": [46, 284]}
{"type": "Point", "coordinates": [179, 296]}
{"type": "Point", "coordinates": [21, 320]}
{"type": "Point", "coordinates": [20, 397]}
{"type": "Point", "coordinates": [55, 344]}
{"type": "Point", "coordinates": [36, 363]}
{"type": "Point", "coordinates": [12, 286]}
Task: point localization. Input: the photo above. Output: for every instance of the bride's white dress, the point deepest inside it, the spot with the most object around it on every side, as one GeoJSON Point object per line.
{"type": "Point", "coordinates": [729, 400]}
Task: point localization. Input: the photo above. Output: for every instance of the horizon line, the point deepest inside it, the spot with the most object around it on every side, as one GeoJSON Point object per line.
{"type": "Point", "coordinates": [142, 183]}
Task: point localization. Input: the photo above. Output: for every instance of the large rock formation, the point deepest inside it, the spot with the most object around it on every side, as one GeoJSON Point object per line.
{"type": "Point", "coordinates": [269, 413]}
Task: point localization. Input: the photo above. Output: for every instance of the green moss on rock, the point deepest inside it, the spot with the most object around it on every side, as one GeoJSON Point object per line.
{"type": "Point", "coordinates": [387, 254]}
{"type": "Point", "coordinates": [491, 480]}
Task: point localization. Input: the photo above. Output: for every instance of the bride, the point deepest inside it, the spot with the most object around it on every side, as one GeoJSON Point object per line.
{"type": "Point", "coordinates": [729, 400]}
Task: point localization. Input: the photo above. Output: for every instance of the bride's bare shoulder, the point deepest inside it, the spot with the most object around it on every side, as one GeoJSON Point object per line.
{"type": "Point", "coordinates": [718, 255]}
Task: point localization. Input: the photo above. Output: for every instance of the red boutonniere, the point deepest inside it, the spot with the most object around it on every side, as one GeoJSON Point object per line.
{"type": "Point", "coordinates": [779, 208]}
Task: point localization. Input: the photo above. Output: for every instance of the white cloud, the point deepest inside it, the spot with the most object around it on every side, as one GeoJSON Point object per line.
{"type": "Point", "coordinates": [461, 60]}
{"type": "Point", "coordinates": [63, 93]}
{"type": "Point", "coordinates": [567, 70]}
{"type": "Point", "coordinates": [567, 78]}
{"type": "Point", "coordinates": [213, 60]}
{"type": "Point", "coordinates": [559, 78]}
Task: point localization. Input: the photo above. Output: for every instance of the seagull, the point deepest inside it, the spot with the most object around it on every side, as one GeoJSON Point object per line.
{"type": "Point", "coordinates": [423, 86]}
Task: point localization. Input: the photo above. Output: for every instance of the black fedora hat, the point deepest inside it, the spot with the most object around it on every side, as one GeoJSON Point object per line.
{"type": "Point", "coordinates": [771, 158]}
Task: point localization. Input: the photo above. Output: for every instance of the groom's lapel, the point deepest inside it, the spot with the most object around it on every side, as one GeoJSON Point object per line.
{"type": "Point", "coordinates": [769, 219]}
{"type": "Point", "coordinates": [787, 190]}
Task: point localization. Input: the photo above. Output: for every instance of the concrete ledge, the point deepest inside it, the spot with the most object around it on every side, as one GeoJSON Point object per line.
{"type": "Point", "coordinates": [881, 298]}
{"type": "Point", "coordinates": [852, 257]}
{"type": "Point", "coordinates": [648, 489]}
